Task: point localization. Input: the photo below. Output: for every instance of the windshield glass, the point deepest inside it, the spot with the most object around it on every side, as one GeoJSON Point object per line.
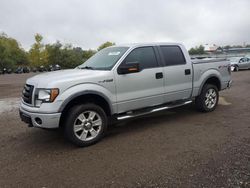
{"type": "Point", "coordinates": [104, 59]}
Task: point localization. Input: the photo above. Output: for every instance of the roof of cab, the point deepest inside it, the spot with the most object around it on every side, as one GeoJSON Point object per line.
{"type": "Point", "coordinates": [148, 44]}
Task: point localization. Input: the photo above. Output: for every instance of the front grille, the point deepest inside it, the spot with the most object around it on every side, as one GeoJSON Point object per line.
{"type": "Point", "coordinates": [27, 93]}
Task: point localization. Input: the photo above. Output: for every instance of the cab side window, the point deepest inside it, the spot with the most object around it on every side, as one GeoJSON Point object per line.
{"type": "Point", "coordinates": [242, 60]}
{"type": "Point", "coordinates": [172, 55]}
{"type": "Point", "coordinates": [145, 56]}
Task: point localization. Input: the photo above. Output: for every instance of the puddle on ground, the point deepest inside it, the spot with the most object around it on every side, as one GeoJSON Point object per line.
{"type": "Point", "coordinates": [222, 101]}
{"type": "Point", "coordinates": [9, 104]}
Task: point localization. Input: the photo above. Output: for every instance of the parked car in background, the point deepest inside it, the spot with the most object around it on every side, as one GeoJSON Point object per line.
{"type": "Point", "coordinates": [26, 69]}
{"type": "Point", "coordinates": [4, 71]}
{"type": "Point", "coordinates": [9, 71]}
{"type": "Point", "coordinates": [50, 68]}
{"type": "Point", "coordinates": [42, 69]}
{"type": "Point", "coordinates": [34, 69]}
{"type": "Point", "coordinates": [238, 63]}
{"type": "Point", "coordinates": [19, 70]}
{"type": "Point", "coordinates": [57, 67]}
{"type": "Point", "coordinates": [54, 67]}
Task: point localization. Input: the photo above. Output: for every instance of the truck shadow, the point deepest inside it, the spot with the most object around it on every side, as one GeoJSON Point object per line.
{"type": "Point", "coordinates": [54, 140]}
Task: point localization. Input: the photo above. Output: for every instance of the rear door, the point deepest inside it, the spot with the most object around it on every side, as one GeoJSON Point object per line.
{"type": "Point", "coordinates": [177, 73]}
{"type": "Point", "coordinates": [141, 89]}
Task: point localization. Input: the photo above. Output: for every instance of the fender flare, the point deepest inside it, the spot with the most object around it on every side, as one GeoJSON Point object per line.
{"type": "Point", "coordinates": [86, 92]}
{"type": "Point", "coordinates": [205, 80]}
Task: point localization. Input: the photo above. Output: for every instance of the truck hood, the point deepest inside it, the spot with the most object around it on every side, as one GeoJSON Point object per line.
{"type": "Point", "coordinates": [58, 75]}
{"type": "Point", "coordinates": [58, 78]}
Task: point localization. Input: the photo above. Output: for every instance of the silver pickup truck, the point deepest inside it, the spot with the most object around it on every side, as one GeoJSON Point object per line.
{"type": "Point", "coordinates": [118, 83]}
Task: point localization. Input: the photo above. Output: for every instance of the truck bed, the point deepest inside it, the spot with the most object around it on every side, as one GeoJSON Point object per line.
{"type": "Point", "coordinates": [210, 60]}
{"type": "Point", "coordinates": [202, 69]}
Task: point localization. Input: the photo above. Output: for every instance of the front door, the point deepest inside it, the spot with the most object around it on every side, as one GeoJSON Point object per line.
{"type": "Point", "coordinates": [140, 89]}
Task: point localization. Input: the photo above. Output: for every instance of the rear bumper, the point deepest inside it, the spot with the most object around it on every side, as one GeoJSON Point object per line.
{"type": "Point", "coordinates": [41, 120]}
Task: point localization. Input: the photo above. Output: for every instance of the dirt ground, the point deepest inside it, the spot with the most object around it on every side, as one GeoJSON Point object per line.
{"type": "Point", "coordinates": [177, 148]}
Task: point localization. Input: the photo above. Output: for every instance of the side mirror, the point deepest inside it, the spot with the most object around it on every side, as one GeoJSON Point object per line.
{"type": "Point", "coordinates": [129, 67]}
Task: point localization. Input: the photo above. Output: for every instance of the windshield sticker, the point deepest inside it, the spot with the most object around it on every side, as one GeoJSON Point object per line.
{"type": "Point", "coordinates": [114, 53]}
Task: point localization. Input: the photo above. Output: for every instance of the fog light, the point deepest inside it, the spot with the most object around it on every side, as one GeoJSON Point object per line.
{"type": "Point", "coordinates": [38, 121]}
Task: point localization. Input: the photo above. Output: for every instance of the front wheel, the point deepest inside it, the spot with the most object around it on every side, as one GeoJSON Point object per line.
{"type": "Point", "coordinates": [208, 99]}
{"type": "Point", "coordinates": [85, 124]}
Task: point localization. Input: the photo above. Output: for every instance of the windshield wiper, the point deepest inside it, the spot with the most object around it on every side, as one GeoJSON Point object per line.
{"type": "Point", "coordinates": [87, 67]}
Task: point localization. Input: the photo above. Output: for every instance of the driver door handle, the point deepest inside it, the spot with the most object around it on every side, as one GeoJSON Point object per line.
{"type": "Point", "coordinates": [159, 75]}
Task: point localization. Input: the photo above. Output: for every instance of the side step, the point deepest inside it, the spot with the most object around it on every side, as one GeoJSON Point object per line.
{"type": "Point", "coordinates": [132, 114]}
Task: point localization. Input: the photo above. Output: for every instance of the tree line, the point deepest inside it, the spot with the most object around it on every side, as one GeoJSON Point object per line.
{"type": "Point", "coordinates": [13, 55]}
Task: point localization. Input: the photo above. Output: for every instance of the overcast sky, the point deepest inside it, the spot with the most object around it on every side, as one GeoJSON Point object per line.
{"type": "Point", "coordinates": [89, 23]}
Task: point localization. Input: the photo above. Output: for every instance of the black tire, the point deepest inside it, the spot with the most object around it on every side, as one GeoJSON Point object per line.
{"type": "Point", "coordinates": [72, 117]}
{"type": "Point", "coordinates": [200, 101]}
{"type": "Point", "coordinates": [236, 68]}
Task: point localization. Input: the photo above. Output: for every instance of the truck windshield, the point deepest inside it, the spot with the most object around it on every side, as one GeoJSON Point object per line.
{"type": "Point", "coordinates": [104, 59]}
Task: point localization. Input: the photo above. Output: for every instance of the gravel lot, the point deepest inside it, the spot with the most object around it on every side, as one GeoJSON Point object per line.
{"type": "Point", "coordinates": [177, 148]}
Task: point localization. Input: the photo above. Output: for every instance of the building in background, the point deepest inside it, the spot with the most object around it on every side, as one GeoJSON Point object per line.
{"type": "Point", "coordinates": [212, 48]}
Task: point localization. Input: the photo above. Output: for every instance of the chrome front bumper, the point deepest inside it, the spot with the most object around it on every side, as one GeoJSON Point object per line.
{"type": "Point", "coordinates": [41, 120]}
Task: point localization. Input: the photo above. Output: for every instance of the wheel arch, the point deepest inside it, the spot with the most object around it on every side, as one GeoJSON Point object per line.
{"type": "Point", "coordinates": [86, 97]}
{"type": "Point", "coordinates": [214, 80]}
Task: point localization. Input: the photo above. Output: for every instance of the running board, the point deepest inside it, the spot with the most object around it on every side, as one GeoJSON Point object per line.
{"type": "Point", "coordinates": [151, 110]}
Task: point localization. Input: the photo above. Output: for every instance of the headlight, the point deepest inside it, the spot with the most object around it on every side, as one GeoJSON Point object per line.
{"type": "Point", "coordinates": [46, 95]}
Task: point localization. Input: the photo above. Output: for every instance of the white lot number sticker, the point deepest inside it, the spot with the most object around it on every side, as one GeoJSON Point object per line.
{"type": "Point", "coordinates": [114, 53]}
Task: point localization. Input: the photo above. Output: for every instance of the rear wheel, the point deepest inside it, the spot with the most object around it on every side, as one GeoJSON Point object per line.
{"type": "Point", "coordinates": [85, 124]}
{"type": "Point", "coordinates": [208, 99]}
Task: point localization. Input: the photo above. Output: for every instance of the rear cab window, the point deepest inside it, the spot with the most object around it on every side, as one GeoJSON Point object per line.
{"type": "Point", "coordinates": [172, 55]}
